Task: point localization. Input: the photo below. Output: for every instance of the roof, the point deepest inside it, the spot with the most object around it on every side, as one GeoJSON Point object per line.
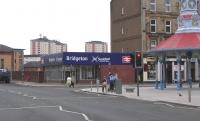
{"type": "Point", "coordinates": [45, 39]}
{"type": "Point", "coordinates": [99, 42]}
{"type": "Point", "coordinates": [4, 48]}
{"type": "Point", "coordinates": [33, 64]}
{"type": "Point", "coordinates": [179, 41]}
{"type": "Point", "coordinates": [32, 55]}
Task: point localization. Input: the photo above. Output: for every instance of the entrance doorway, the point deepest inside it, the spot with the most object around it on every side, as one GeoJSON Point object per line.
{"type": "Point", "coordinates": [169, 72]}
{"type": "Point", "coordinates": [67, 74]}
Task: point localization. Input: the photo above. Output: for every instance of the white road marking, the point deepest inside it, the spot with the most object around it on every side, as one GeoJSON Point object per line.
{"type": "Point", "coordinates": [2, 90]}
{"type": "Point", "coordinates": [25, 95]}
{"type": "Point", "coordinates": [59, 107]}
{"type": "Point", "coordinates": [19, 93]}
{"type": "Point", "coordinates": [82, 114]}
{"type": "Point", "coordinates": [11, 91]}
{"type": "Point", "coordinates": [34, 97]}
{"type": "Point", "coordinates": [158, 103]}
{"type": "Point", "coordinates": [20, 108]}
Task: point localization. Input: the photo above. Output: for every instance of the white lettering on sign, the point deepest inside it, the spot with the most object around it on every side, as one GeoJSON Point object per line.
{"type": "Point", "coordinates": [101, 60]}
{"type": "Point", "coordinates": [51, 60]}
{"type": "Point", "coordinates": [77, 59]}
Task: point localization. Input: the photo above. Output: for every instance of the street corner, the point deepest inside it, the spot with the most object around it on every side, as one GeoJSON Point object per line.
{"type": "Point", "coordinates": [99, 92]}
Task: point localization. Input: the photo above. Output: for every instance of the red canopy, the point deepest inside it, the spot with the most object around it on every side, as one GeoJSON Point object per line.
{"type": "Point", "coordinates": [180, 41]}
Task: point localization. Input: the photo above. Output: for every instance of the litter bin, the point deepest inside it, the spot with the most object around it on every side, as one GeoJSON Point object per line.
{"type": "Point", "coordinates": [118, 86]}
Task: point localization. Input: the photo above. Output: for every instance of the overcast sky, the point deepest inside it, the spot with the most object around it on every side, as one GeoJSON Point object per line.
{"type": "Point", "coordinates": [69, 21]}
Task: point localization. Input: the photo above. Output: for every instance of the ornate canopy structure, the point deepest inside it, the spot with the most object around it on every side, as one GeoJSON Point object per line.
{"type": "Point", "coordinates": [184, 44]}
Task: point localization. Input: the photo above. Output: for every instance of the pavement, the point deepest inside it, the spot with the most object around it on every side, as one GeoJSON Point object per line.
{"type": "Point", "coordinates": [169, 95]}
{"type": "Point", "coordinates": [146, 92]}
{"type": "Point", "coordinates": [25, 83]}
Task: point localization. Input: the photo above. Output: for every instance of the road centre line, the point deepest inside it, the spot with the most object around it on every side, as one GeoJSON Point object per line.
{"type": "Point", "coordinates": [82, 114]}
{"type": "Point", "coordinates": [19, 93]}
{"type": "Point", "coordinates": [20, 108]}
{"type": "Point", "coordinates": [2, 90]}
{"type": "Point", "coordinates": [59, 107]}
{"type": "Point", "coordinates": [25, 95]}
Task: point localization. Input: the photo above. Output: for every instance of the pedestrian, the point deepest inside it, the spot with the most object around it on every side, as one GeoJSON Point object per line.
{"type": "Point", "coordinates": [72, 83]}
{"type": "Point", "coordinates": [115, 78]}
{"type": "Point", "coordinates": [69, 81]}
{"type": "Point", "coordinates": [111, 81]}
{"type": "Point", "coordinates": [104, 83]}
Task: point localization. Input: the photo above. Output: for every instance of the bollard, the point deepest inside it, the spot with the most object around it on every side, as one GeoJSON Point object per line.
{"type": "Point", "coordinates": [199, 84]}
{"type": "Point", "coordinates": [91, 85]}
{"type": "Point", "coordinates": [97, 85]}
{"type": "Point", "coordinates": [156, 87]}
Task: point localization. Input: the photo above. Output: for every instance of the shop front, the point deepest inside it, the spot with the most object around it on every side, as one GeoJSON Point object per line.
{"type": "Point", "coordinates": [85, 67]}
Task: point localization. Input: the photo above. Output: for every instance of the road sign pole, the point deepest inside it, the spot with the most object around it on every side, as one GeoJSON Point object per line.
{"type": "Point", "coordinates": [137, 79]}
{"type": "Point", "coordinates": [138, 86]}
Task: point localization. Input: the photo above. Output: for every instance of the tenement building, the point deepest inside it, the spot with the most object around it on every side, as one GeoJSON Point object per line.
{"type": "Point", "coordinates": [43, 45]}
{"type": "Point", "coordinates": [139, 25]}
{"type": "Point", "coordinates": [96, 46]}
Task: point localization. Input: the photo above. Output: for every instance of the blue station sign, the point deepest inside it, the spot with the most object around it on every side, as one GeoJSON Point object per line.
{"type": "Point", "coordinates": [78, 58]}
{"type": "Point", "coordinates": [84, 58]}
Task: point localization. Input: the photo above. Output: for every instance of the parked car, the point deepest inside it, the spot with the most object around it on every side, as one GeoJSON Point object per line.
{"type": "Point", "coordinates": [5, 75]}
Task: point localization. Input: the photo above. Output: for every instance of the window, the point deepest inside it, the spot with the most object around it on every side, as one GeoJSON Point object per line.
{"type": "Point", "coordinates": [122, 11]}
{"type": "Point", "coordinates": [151, 70]}
{"type": "Point", "coordinates": [2, 63]}
{"type": "Point", "coordinates": [87, 72]}
{"type": "Point", "coordinates": [153, 43]}
{"type": "Point", "coordinates": [167, 5]}
{"type": "Point", "coordinates": [153, 26]}
{"type": "Point", "coordinates": [122, 30]}
{"type": "Point", "coordinates": [168, 26]}
{"type": "Point", "coordinates": [152, 5]}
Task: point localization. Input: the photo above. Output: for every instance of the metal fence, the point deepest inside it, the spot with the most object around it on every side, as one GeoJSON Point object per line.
{"type": "Point", "coordinates": [32, 76]}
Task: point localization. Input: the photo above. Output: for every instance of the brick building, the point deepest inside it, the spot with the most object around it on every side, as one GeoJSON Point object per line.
{"type": "Point", "coordinates": [11, 59]}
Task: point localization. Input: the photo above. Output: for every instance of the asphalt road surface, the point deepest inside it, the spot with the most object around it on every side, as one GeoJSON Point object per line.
{"type": "Point", "coordinates": [26, 103]}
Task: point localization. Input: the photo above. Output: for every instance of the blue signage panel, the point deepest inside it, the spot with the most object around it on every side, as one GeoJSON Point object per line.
{"type": "Point", "coordinates": [80, 58]}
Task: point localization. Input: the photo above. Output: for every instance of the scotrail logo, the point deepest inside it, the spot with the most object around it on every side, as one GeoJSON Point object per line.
{"type": "Point", "coordinates": [94, 59]}
{"type": "Point", "coordinates": [100, 60]}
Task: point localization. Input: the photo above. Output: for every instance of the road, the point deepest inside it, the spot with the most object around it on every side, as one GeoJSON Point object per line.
{"type": "Point", "coordinates": [26, 103]}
